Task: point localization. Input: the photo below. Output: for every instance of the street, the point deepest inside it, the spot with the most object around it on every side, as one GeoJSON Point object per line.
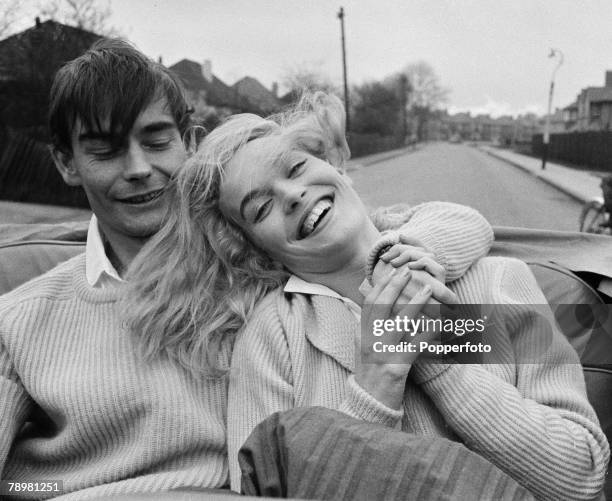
{"type": "Point", "coordinates": [504, 194]}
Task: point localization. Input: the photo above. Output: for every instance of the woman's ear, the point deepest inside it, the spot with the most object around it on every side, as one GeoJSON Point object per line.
{"type": "Point", "coordinates": [332, 117]}
{"type": "Point", "coordinates": [64, 162]}
{"type": "Point", "coordinates": [338, 153]}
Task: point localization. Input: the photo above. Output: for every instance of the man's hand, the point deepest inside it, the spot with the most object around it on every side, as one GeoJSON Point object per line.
{"type": "Point", "coordinates": [417, 258]}
{"type": "Point", "coordinates": [425, 271]}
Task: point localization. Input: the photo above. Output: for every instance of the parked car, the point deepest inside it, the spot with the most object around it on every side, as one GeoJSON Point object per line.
{"type": "Point", "coordinates": [569, 267]}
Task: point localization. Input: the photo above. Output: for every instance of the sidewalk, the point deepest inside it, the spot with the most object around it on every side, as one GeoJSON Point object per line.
{"type": "Point", "coordinates": [581, 185]}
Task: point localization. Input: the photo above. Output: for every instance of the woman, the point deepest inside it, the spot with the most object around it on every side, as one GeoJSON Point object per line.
{"type": "Point", "coordinates": [264, 198]}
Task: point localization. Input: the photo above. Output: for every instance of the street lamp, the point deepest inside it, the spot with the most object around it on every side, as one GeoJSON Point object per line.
{"type": "Point", "coordinates": [346, 95]}
{"type": "Point", "coordinates": [553, 53]}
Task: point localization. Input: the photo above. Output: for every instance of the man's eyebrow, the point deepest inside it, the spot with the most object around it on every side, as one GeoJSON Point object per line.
{"type": "Point", "coordinates": [251, 195]}
{"type": "Point", "coordinates": [95, 136]}
{"type": "Point", "coordinates": [160, 126]}
{"type": "Point", "coordinates": [151, 128]}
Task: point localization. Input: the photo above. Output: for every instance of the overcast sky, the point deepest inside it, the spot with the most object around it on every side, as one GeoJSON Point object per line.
{"type": "Point", "coordinates": [492, 54]}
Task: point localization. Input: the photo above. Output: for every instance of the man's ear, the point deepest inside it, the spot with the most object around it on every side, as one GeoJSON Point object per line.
{"type": "Point", "coordinates": [64, 162]}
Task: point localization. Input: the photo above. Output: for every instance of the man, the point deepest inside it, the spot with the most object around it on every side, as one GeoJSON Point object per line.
{"type": "Point", "coordinates": [99, 418]}
{"type": "Point", "coordinates": [80, 405]}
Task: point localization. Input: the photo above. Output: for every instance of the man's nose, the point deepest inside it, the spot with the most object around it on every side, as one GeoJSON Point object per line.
{"type": "Point", "coordinates": [293, 195]}
{"type": "Point", "coordinates": [137, 165]}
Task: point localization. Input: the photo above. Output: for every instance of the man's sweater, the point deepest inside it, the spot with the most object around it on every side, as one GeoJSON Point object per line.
{"type": "Point", "coordinates": [100, 418]}
{"type": "Point", "coordinates": [533, 420]}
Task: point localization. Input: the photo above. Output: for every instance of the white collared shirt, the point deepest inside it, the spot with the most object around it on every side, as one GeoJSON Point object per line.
{"type": "Point", "coordinates": [297, 285]}
{"type": "Point", "coordinates": [99, 271]}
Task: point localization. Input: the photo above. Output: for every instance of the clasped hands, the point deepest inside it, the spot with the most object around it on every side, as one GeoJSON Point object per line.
{"type": "Point", "coordinates": [408, 283]}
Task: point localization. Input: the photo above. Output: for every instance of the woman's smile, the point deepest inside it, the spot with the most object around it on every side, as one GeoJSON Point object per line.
{"type": "Point", "coordinates": [315, 217]}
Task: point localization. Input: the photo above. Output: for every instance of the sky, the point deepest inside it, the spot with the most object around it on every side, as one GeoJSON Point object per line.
{"type": "Point", "coordinates": [491, 54]}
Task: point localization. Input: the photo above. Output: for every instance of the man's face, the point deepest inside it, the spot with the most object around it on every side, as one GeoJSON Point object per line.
{"type": "Point", "coordinates": [125, 184]}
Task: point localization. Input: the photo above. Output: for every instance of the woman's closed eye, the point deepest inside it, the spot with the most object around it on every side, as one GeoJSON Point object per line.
{"type": "Point", "coordinates": [262, 211]}
{"type": "Point", "coordinates": [297, 168]}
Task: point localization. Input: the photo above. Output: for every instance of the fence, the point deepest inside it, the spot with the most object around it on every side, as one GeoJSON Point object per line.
{"type": "Point", "coordinates": [27, 173]}
{"type": "Point", "coordinates": [587, 150]}
{"type": "Point", "coordinates": [367, 144]}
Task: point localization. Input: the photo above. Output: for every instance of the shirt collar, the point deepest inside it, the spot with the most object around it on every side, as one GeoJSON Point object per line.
{"type": "Point", "coordinates": [98, 269]}
{"type": "Point", "coordinates": [299, 286]}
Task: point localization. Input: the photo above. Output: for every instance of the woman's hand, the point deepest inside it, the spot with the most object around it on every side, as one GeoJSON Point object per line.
{"type": "Point", "coordinates": [383, 375]}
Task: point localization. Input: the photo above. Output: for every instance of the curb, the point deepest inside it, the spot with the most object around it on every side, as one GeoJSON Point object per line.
{"type": "Point", "coordinates": [561, 187]}
{"type": "Point", "coordinates": [391, 154]}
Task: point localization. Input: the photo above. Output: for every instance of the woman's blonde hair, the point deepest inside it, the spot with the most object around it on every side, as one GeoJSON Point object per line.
{"type": "Point", "coordinates": [194, 284]}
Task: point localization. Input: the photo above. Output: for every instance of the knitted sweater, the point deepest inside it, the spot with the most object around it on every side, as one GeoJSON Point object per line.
{"type": "Point", "coordinates": [100, 419]}
{"type": "Point", "coordinates": [104, 421]}
{"type": "Point", "coordinates": [531, 420]}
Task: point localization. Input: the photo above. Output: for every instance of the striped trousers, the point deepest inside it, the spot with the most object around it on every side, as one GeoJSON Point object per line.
{"type": "Point", "coordinates": [318, 453]}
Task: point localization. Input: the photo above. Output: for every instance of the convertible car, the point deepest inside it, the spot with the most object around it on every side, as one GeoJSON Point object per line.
{"type": "Point", "coordinates": [573, 269]}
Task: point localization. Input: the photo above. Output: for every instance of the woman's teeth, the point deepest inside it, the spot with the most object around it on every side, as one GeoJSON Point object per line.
{"type": "Point", "coordinates": [315, 216]}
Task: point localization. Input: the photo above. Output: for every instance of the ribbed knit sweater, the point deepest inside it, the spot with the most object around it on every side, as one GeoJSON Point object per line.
{"type": "Point", "coordinates": [531, 420]}
{"type": "Point", "coordinates": [100, 418]}
{"type": "Point", "coordinates": [104, 421]}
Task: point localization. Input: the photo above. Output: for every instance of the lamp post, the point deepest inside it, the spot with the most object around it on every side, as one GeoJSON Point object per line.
{"type": "Point", "coordinates": [346, 95]}
{"type": "Point", "coordinates": [546, 138]}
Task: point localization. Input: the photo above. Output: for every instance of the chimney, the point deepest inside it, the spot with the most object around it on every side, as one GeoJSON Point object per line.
{"type": "Point", "coordinates": [609, 79]}
{"type": "Point", "coordinates": [275, 89]}
{"type": "Point", "coordinates": [207, 70]}
{"type": "Point", "coordinates": [37, 22]}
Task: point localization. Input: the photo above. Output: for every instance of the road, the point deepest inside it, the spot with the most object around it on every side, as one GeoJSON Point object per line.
{"type": "Point", "coordinates": [504, 194]}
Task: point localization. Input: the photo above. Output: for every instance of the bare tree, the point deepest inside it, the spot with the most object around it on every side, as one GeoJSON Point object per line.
{"type": "Point", "coordinates": [426, 95]}
{"type": "Point", "coordinates": [90, 15]}
{"type": "Point", "coordinates": [426, 89]}
{"type": "Point", "coordinates": [307, 76]}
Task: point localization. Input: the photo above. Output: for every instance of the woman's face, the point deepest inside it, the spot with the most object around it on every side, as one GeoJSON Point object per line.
{"type": "Point", "coordinates": [296, 207]}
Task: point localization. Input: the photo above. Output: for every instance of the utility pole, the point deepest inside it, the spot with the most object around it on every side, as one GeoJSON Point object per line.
{"type": "Point", "coordinates": [346, 94]}
{"type": "Point", "coordinates": [546, 138]}
{"type": "Point", "coordinates": [403, 86]}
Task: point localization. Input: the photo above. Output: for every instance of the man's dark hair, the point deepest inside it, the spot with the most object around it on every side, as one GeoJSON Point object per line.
{"type": "Point", "coordinates": [112, 81]}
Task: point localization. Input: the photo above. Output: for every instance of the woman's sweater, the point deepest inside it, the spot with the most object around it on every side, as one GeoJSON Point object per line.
{"type": "Point", "coordinates": [532, 420]}
{"type": "Point", "coordinates": [100, 419]}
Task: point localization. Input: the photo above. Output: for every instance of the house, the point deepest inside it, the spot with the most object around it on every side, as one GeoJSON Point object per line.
{"type": "Point", "coordinates": [460, 124]}
{"type": "Point", "coordinates": [557, 121]}
{"type": "Point", "coordinates": [211, 98]}
{"type": "Point", "coordinates": [570, 116]}
{"type": "Point", "coordinates": [253, 90]}
{"type": "Point", "coordinates": [28, 62]}
{"type": "Point", "coordinates": [504, 130]}
{"type": "Point", "coordinates": [592, 110]}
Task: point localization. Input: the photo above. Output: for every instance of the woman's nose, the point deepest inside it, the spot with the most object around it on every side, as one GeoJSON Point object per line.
{"type": "Point", "coordinates": [293, 195]}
